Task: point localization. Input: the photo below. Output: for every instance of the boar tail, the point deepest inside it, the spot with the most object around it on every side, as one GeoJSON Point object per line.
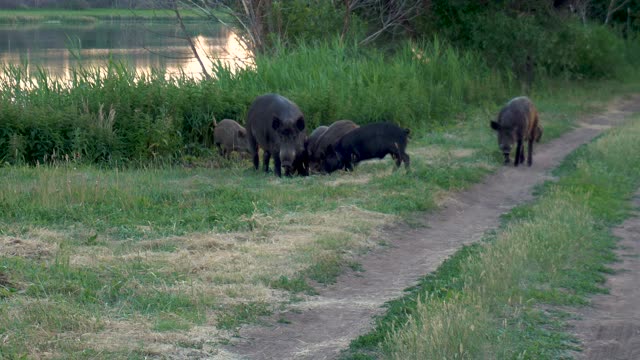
{"type": "Point", "coordinates": [215, 123]}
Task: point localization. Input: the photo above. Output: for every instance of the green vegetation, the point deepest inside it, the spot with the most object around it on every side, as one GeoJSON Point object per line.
{"type": "Point", "coordinates": [496, 300]}
{"type": "Point", "coordinates": [165, 251]}
{"type": "Point", "coordinates": [118, 118]}
{"type": "Point", "coordinates": [90, 15]}
{"type": "Point", "coordinates": [120, 229]}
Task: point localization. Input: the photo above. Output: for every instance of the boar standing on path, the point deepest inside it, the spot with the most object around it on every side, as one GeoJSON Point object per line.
{"type": "Point", "coordinates": [277, 125]}
{"type": "Point", "coordinates": [517, 122]}
{"type": "Point", "coordinates": [368, 142]}
{"type": "Point", "coordinates": [229, 136]}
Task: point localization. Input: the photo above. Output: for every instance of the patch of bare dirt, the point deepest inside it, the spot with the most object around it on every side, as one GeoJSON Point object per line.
{"type": "Point", "coordinates": [324, 325]}
{"type": "Point", "coordinates": [610, 327]}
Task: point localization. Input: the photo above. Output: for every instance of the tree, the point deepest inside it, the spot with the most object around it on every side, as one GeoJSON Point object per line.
{"type": "Point", "coordinates": [614, 5]}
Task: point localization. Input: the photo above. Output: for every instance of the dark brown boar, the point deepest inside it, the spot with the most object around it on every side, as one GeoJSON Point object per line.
{"type": "Point", "coordinates": [315, 135]}
{"type": "Point", "coordinates": [229, 136]}
{"type": "Point", "coordinates": [277, 125]}
{"type": "Point", "coordinates": [517, 122]}
{"type": "Point", "coordinates": [334, 133]}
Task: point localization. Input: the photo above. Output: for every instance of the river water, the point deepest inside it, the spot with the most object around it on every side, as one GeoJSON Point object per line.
{"type": "Point", "coordinates": [143, 45]}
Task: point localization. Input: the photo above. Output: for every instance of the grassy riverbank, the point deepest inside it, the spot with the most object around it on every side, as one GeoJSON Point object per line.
{"type": "Point", "coordinates": [91, 15]}
{"type": "Point", "coordinates": [496, 299]}
{"type": "Point", "coordinates": [124, 262]}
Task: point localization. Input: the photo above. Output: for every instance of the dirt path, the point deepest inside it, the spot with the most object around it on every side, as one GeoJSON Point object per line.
{"type": "Point", "coordinates": [322, 327]}
{"type": "Point", "coordinates": [610, 328]}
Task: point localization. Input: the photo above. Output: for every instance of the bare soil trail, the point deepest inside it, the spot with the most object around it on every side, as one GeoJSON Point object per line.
{"type": "Point", "coordinates": [610, 327]}
{"type": "Point", "coordinates": [323, 326]}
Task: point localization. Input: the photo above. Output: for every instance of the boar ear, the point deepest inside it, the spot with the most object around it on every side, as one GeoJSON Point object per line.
{"type": "Point", "coordinates": [242, 133]}
{"type": "Point", "coordinates": [495, 125]}
{"type": "Point", "coordinates": [300, 123]}
{"type": "Point", "coordinates": [275, 123]}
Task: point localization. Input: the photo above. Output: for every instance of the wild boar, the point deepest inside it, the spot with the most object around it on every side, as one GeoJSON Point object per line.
{"type": "Point", "coordinates": [517, 122]}
{"type": "Point", "coordinates": [368, 142]}
{"type": "Point", "coordinates": [230, 136]}
{"type": "Point", "coordinates": [277, 125]}
{"type": "Point", "coordinates": [315, 135]}
{"type": "Point", "coordinates": [335, 132]}
{"type": "Point", "coordinates": [538, 133]}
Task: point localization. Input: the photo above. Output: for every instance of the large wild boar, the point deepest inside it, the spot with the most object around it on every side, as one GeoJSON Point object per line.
{"type": "Point", "coordinates": [318, 150]}
{"type": "Point", "coordinates": [368, 142]}
{"type": "Point", "coordinates": [517, 122]}
{"type": "Point", "coordinates": [230, 136]}
{"type": "Point", "coordinates": [277, 125]}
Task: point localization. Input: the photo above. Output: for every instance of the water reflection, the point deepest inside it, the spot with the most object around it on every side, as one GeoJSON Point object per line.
{"type": "Point", "coordinates": [59, 48]}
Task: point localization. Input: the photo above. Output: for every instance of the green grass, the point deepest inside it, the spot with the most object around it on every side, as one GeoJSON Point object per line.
{"type": "Point", "coordinates": [165, 248]}
{"type": "Point", "coordinates": [90, 15]}
{"type": "Point", "coordinates": [496, 300]}
{"type": "Point", "coordinates": [126, 221]}
{"type": "Point", "coordinates": [160, 248]}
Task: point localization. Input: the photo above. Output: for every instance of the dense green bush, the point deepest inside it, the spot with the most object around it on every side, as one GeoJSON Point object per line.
{"type": "Point", "coordinates": [584, 52]}
{"type": "Point", "coordinates": [529, 36]}
{"type": "Point", "coordinates": [304, 20]}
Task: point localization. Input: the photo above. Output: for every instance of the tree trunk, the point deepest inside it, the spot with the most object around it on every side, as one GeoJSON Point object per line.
{"type": "Point", "coordinates": [347, 19]}
{"type": "Point", "coordinates": [613, 8]}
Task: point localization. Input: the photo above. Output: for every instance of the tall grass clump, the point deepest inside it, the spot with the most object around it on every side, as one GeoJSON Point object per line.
{"type": "Point", "coordinates": [421, 85]}
{"type": "Point", "coordinates": [552, 252]}
{"type": "Point", "coordinates": [114, 115]}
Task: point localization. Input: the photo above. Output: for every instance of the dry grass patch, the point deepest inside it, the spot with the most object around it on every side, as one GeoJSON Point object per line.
{"type": "Point", "coordinates": [35, 243]}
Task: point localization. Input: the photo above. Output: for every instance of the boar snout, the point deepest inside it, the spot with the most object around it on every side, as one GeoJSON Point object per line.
{"type": "Point", "coordinates": [287, 157]}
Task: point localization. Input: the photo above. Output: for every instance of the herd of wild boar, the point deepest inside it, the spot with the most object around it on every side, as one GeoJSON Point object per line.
{"type": "Point", "coordinates": [277, 126]}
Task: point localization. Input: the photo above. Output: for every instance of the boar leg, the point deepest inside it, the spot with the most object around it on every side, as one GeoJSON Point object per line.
{"type": "Point", "coordinates": [253, 150]}
{"type": "Point", "coordinates": [407, 160]}
{"type": "Point", "coordinates": [266, 157]}
{"type": "Point", "coordinates": [530, 153]}
{"type": "Point", "coordinates": [398, 159]}
{"type": "Point", "coordinates": [276, 165]}
{"type": "Point", "coordinates": [518, 153]}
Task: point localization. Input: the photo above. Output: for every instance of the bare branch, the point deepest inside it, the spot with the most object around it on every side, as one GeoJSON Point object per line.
{"type": "Point", "coordinates": [193, 48]}
{"type": "Point", "coordinates": [393, 14]}
{"type": "Point", "coordinates": [613, 8]}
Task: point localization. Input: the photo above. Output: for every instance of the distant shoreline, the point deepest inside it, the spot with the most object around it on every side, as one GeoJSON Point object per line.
{"type": "Point", "coordinates": [91, 15]}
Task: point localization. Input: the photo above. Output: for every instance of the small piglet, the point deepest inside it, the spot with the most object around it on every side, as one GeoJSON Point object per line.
{"type": "Point", "coordinates": [368, 142]}
{"type": "Point", "coordinates": [230, 136]}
